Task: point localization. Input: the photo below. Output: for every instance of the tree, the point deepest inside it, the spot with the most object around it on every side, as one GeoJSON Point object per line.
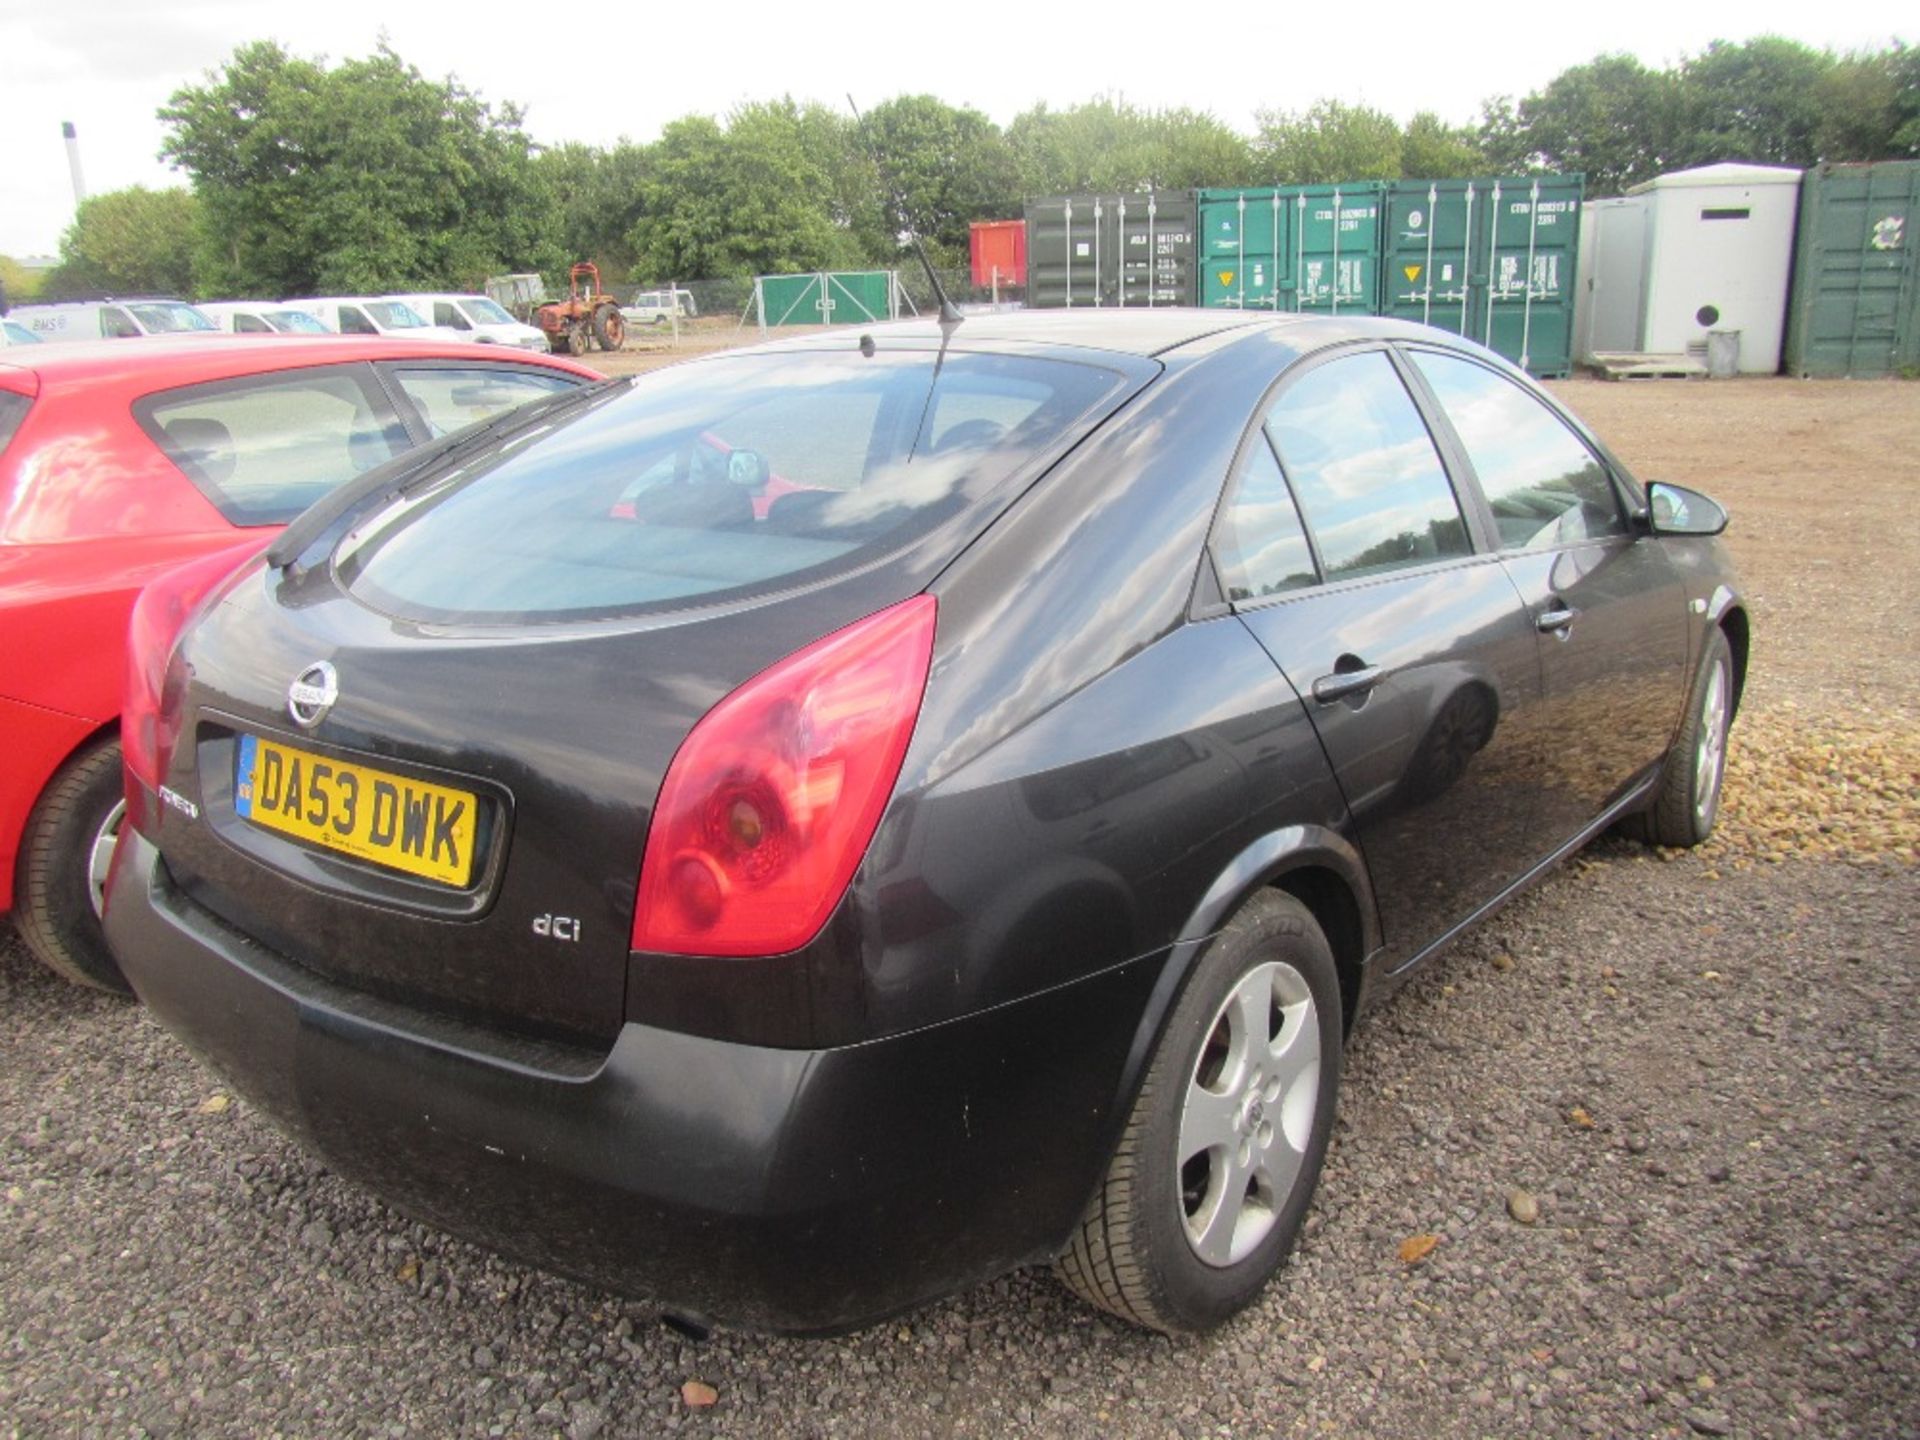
{"type": "Point", "coordinates": [1611, 119]}
{"type": "Point", "coordinates": [127, 242]}
{"type": "Point", "coordinates": [1109, 146]}
{"type": "Point", "coordinates": [363, 177]}
{"type": "Point", "coordinates": [18, 284]}
{"type": "Point", "coordinates": [950, 164]}
{"type": "Point", "coordinates": [757, 196]}
{"type": "Point", "coordinates": [1868, 106]}
{"type": "Point", "coordinates": [593, 199]}
{"type": "Point", "coordinates": [1329, 142]}
{"type": "Point", "coordinates": [1431, 149]}
{"type": "Point", "coordinates": [1758, 101]}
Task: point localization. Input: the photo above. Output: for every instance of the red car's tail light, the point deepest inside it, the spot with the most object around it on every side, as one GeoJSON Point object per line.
{"type": "Point", "coordinates": [772, 800]}
{"type": "Point", "coordinates": [148, 724]}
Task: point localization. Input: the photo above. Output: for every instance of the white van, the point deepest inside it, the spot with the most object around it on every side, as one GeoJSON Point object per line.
{"type": "Point", "coordinates": [371, 315]}
{"type": "Point", "coordinates": [260, 317]}
{"type": "Point", "coordinates": [114, 319]}
{"type": "Point", "coordinates": [656, 307]}
{"type": "Point", "coordinates": [477, 318]}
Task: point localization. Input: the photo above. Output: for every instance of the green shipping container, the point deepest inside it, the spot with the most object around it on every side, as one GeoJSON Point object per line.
{"type": "Point", "coordinates": [1489, 259]}
{"type": "Point", "coordinates": [1296, 248]}
{"type": "Point", "coordinates": [1855, 306]}
{"type": "Point", "coordinates": [1121, 250]}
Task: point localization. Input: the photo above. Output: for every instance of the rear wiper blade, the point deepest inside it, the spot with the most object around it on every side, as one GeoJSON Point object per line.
{"type": "Point", "coordinates": [405, 473]}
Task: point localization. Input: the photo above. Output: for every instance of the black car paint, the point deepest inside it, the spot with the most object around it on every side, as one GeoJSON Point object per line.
{"type": "Point", "coordinates": [1109, 759]}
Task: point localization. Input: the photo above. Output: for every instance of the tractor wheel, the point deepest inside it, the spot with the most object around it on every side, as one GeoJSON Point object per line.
{"type": "Point", "coordinates": [609, 327]}
{"type": "Point", "coordinates": [577, 341]}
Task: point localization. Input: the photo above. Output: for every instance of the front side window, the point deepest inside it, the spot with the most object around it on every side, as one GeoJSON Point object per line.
{"type": "Point", "coordinates": [1258, 542]}
{"type": "Point", "coordinates": [448, 314]}
{"type": "Point", "coordinates": [265, 448]}
{"type": "Point", "coordinates": [721, 478]}
{"type": "Point", "coordinates": [1368, 477]}
{"type": "Point", "coordinates": [483, 312]}
{"type": "Point", "coordinates": [1544, 485]}
{"type": "Point", "coordinates": [117, 324]}
{"type": "Point", "coordinates": [245, 324]}
{"type": "Point", "coordinates": [354, 322]}
{"type": "Point", "coordinates": [449, 399]}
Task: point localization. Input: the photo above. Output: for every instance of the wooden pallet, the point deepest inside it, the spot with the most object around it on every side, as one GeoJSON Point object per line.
{"type": "Point", "coordinates": [1625, 365]}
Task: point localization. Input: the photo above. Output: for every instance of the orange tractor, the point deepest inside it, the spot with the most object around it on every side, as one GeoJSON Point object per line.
{"type": "Point", "coordinates": [586, 315]}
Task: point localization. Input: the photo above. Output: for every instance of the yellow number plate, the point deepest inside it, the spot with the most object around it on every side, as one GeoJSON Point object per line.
{"type": "Point", "coordinates": [408, 825]}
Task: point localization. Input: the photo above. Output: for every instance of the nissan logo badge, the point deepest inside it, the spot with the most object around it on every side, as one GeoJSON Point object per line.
{"type": "Point", "coordinates": [312, 694]}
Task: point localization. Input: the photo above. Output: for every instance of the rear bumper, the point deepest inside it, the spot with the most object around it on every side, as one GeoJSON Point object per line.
{"type": "Point", "coordinates": [789, 1190]}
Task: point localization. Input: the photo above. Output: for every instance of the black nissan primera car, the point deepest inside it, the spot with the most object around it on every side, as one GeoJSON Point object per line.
{"type": "Point", "coordinates": [810, 829]}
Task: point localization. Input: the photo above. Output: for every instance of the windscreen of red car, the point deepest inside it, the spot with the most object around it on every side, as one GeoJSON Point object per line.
{"type": "Point", "coordinates": [724, 477]}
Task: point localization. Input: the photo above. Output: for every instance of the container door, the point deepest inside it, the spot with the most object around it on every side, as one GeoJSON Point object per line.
{"type": "Point", "coordinates": [1066, 250]}
{"type": "Point", "coordinates": [1530, 228]}
{"type": "Point", "coordinates": [1410, 651]}
{"type": "Point", "coordinates": [1245, 249]}
{"type": "Point", "coordinates": [1336, 241]}
{"type": "Point", "coordinates": [1429, 252]}
{"type": "Point", "coordinates": [1153, 248]}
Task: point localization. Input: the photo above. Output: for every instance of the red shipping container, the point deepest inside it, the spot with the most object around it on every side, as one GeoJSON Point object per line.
{"type": "Point", "coordinates": [999, 245]}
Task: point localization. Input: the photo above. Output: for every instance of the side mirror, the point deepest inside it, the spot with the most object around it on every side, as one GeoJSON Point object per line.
{"type": "Point", "coordinates": [748, 469]}
{"type": "Point", "coordinates": [1676, 510]}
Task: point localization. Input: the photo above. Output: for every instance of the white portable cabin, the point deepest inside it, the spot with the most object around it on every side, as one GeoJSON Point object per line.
{"type": "Point", "coordinates": [1684, 254]}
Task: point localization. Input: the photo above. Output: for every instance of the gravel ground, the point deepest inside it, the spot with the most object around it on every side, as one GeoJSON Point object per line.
{"type": "Point", "coordinates": [1646, 1132]}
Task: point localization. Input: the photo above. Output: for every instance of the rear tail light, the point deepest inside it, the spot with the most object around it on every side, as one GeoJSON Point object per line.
{"type": "Point", "coordinates": [149, 717]}
{"type": "Point", "coordinates": [772, 800]}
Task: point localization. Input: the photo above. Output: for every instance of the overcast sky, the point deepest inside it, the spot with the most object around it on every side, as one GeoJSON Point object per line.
{"type": "Point", "coordinates": [107, 65]}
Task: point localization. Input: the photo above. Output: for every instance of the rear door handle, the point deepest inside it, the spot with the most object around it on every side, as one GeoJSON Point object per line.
{"type": "Point", "coordinates": [1346, 682]}
{"type": "Point", "coordinates": [1549, 621]}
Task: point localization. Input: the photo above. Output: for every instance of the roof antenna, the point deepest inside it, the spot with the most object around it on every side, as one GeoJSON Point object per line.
{"type": "Point", "coordinates": [949, 313]}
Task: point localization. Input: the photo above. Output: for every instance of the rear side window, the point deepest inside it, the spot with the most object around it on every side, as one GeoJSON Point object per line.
{"type": "Point", "coordinates": [449, 399]}
{"type": "Point", "coordinates": [170, 317]}
{"type": "Point", "coordinates": [1544, 485]}
{"type": "Point", "coordinates": [724, 477]}
{"type": "Point", "coordinates": [1258, 542]}
{"type": "Point", "coordinates": [265, 448]}
{"type": "Point", "coordinates": [13, 409]}
{"type": "Point", "coordinates": [1365, 469]}
{"type": "Point", "coordinates": [394, 315]}
{"type": "Point", "coordinates": [296, 322]}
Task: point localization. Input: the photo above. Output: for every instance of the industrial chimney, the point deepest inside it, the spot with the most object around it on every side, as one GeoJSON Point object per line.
{"type": "Point", "coordinates": [73, 162]}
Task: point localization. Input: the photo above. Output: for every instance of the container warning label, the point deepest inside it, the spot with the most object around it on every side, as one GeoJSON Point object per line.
{"type": "Point", "coordinates": [1226, 277]}
{"type": "Point", "coordinates": [1412, 272]}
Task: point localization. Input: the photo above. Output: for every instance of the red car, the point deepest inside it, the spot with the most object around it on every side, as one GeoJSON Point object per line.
{"type": "Point", "coordinates": [118, 462]}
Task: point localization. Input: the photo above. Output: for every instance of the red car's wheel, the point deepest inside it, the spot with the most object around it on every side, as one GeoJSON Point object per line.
{"type": "Point", "coordinates": [60, 886]}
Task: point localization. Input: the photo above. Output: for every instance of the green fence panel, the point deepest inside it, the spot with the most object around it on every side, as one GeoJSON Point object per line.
{"type": "Point", "coordinates": [839, 297]}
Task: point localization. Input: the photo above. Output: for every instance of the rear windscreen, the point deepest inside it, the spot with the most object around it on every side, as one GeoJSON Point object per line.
{"type": "Point", "coordinates": [728, 476]}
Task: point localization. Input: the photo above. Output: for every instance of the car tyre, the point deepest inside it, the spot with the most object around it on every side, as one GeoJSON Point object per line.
{"type": "Point", "coordinates": [61, 873]}
{"type": "Point", "coordinates": [1213, 1174]}
{"type": "Point", "coordinates": [1688, 802]}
